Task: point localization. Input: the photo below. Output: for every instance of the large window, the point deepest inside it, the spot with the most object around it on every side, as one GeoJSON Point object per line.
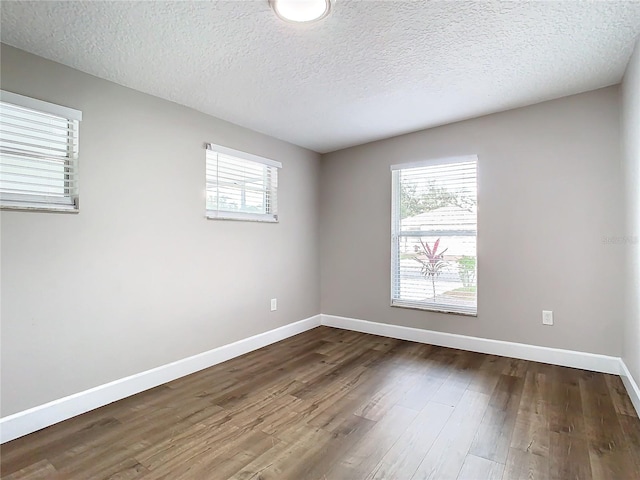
{"type": "Point", "coordinates": [434, 231]}
{"type": "Point", "coordinates": [38, 154]}
{"type": "Point", "coordinates": [241, 186]}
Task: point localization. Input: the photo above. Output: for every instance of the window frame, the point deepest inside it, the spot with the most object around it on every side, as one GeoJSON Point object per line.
{"type": "Point", "coordinates": [270, 216]}
{"type": "Point", "coordinates": [396, 230]}
{"type": "Point", "coordinates": [69, 203]}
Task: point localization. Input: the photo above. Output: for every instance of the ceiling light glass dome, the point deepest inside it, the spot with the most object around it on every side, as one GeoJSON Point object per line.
{"type": "Point", "coordinates": [301, 11]}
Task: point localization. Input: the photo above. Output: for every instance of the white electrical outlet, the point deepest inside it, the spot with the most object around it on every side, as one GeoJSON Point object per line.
{"type": "Point", "coordinates": [274, 304]}
{"type": "Point", "coordinates": [547, 317]}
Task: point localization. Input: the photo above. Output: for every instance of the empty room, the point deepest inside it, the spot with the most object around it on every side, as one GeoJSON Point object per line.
{"type": "Point", "coordinates": [320, 239]}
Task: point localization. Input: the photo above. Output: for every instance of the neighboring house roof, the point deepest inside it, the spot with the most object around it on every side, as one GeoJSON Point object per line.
{"type": "Point", "coordinates": [444, 218]}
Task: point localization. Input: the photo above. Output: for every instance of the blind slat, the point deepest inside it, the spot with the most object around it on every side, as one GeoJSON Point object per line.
{"type": "Point", "coordinates": [6, 121]}
{"type": "Point", "coordinates": [39, 139]}
{"type": "Point", "coordinates": [23, 179]}
{"type": "Point", "coordinates": [43, 123]}
{"type": "Point", "coordinates": [39, 191]}
{"type": "Point", "coordinates": [26, 160]}
{"type": "Point", "coordinates": [67, 170]}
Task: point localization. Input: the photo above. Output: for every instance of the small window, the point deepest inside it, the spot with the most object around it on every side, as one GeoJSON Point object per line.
{"type": "Point", "coordinates": [241, 186]}
{"type": "Point", "coordinates": [38, 154]}
{"type": "Point", "coordinates": [434, 231]}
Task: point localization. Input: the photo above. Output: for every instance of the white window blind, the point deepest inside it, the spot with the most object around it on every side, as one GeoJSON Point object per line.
{"type": "Point", "coordinates": [434, 232]}
{"type": "Point", "coordinates": [241, 186]}
{"type": "Point", "coordinates": [39, 144]}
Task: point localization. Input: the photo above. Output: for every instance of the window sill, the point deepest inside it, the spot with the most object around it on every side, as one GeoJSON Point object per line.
{"type": "Point", "coordinates": [242, 217]}
{"type": "Point", "coordinates": [45, 209]}
{"type": "Point", "coordinates": [435, 308]}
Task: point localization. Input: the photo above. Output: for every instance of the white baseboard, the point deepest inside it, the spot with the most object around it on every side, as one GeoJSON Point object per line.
{"type": "Point", "coordinates": [630, 384]}
{"type": "Point", "coordinates": [554, 356]}
{"type": "Point", "coordinates": [28, 421]}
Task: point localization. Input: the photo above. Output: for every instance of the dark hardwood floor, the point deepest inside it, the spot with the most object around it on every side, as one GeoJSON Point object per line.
{"type": "Point", "coordinates": [334, 404]}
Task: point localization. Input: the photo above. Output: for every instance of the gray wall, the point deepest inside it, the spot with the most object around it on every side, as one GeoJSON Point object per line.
{"type": "Point", "coordinates": [631, 245]}
{"type": "Point", "coordinates": [549, 191]}
{"type": "Point", "coordinates": [139, 277]}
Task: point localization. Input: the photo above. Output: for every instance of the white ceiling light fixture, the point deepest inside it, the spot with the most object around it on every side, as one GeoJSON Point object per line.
{"type": "Point", "coordinates": [301, 11]}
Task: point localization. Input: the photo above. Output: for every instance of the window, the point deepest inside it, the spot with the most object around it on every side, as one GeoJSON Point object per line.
{"type": "Point", "coordinates": [241, 186]}
{"type": "Point", "coordinates": [434, 230]}
{"type": "Point", "coordinates": [38, 154]}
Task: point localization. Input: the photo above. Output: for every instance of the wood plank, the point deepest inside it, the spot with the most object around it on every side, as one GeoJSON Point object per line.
{"type": "Point", "coordinates": [524, 465]}
{"type": "Point", "coordinates": [186, 446]}
{"type": "Point", "coordinates": [41, 470]}
{"type": "Point", "coordinates": [569, 457]}
{"type": "Point", "coordinates": [565, 402]}
{"type": "Point", "coordinates": [493, 439]}
{"type": "Point", "coordinates": [516, 368]}
{"type": "Point", "coordinates": [348, 371]}
{"type": "Point", "coordinates": [387, 395]}
{"type": "Point", "coordinates": [362, 459]}
{"type": "Point", "coordinates": [223, 461]}
{"type": "Point", "coordinates": [621, 401]}
{"type": "Point", "coordinates": [531, 432]}
{"type": "Point", "coordinates": [421, 393]}
{"type": "Point", "coordinates": [435, 369]}
{"type": "Point", "coordinates": [53, 441]}
{"type": "Point", "coordinates": [285, 459]}
{"type": "Point", "coordinates": [456, 384]}
{"type": "Point", "coordinates": [477, 468]}
{"type": "Point", "coordinates": [631, 429]}
{"type": "Point", "coordinates": [328, 411]}
{"type": "Point", "coordinates": [447, 455]}
{"type": "Point", "coordinates": [402, 460]}
{"type": "Point", "coordinates": [488, 375]}
{"type": "Point", "coordinates": [318, 462]}
{"type": "Point", "coordinates": [608, 451]}
{"type": "Point", "coordinates": [253, 384]}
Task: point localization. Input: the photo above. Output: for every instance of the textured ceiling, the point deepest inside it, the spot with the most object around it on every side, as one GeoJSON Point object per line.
{"type": "Point", "coordinates": [372, 69]}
